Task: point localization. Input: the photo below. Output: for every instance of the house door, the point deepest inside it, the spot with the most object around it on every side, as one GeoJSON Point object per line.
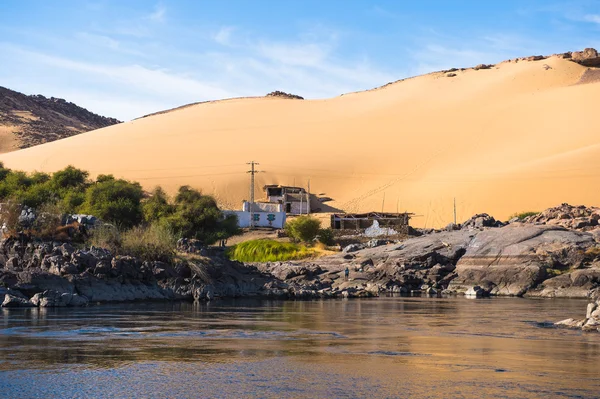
{"type": "Point", "coordinates": [288, 208]}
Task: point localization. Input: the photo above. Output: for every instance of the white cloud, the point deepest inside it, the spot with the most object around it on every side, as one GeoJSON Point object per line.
{"type": "Point", "coordinates": [158, 15]}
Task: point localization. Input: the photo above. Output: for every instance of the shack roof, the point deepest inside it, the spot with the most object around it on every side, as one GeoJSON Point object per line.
{"type": "Point", "coordinates": [372, 215]}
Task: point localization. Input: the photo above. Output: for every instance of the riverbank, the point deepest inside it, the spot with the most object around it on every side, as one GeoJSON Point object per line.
{"type": "Point", "coordinates": [542, 258]}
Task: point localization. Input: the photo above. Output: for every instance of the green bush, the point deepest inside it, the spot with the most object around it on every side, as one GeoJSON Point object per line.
{"type": "Point", "coordinates": [157, 206]}
{"type": "Point", "coordinates": [326, 237]}
{"type": "Point", "coordinates": [268, 251]}
{"type": "Point", "coordinates": [303, 228]}
{"type": "Point", "coordinates": [116, 201]}
{"type": "Point", "coordinates": [69, 177]}
{"type": "Point", "coordinates": [198, 216]}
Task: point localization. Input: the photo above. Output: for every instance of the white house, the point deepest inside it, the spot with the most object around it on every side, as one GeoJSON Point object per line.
{"type": "Point", "coordinates": [265, 214]}
{"type": "Point", "coordinates": [296, 200]}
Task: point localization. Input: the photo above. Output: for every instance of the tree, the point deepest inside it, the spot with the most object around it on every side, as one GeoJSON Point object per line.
{"type": "Point", "coordinates": [69, 177]}
{"type": "Point", "coordinates": [117, 201]}
{"type": "Point", "coordinates": [157, 206]}
{"type": "Point", "coordinates": [198, 216]}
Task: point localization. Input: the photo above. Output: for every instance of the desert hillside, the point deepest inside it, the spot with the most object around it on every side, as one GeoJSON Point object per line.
{"type": "Point", "coordinates": [26, 121]}
{"type": "Point", "coordinates": [520, 135]}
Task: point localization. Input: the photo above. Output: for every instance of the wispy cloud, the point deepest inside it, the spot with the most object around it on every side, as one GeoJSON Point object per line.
{"type": "Point", "coordinates": [224, 35]}
{"type": "Point", "coordinates": [158, 15]}
{"type": "Point", "coordinates": [595, 18]}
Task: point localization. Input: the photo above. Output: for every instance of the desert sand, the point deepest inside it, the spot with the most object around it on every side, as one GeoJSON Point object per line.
{"type": "Point", "coordinates": [519, 136]}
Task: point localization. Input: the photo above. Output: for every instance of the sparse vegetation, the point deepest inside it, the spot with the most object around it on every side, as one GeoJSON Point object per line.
{"type": "Point", "coordinates": [268, 251]}
{"type": "Point", "coordinates": [523, 215]}
{"type": "Point", "coordinates": [149, 242]}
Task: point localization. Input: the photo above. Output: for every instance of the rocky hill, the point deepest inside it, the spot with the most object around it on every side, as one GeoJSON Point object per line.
{"type": "Point", "coordinates": [26, 121]}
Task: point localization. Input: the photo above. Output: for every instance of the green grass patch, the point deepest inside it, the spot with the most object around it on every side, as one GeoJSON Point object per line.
{"type": "Point", "coordinates": [523, 215]}
{"type": "Point", "coordinates": [268, 251]}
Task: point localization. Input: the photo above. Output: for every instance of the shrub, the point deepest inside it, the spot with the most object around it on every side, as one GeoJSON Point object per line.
{"type": "Point", "coordinates": [116, 201]}
{"type": "Point", "coordinates": [326, 237]}
{"type": "Point", "coordinates": [69, 177]}
{"type": "Point", "coordinates": [157, 206]}
{"type": "Point", "coordinates": [154, 243]}
{"type": "Point", "coordinates": [48, 221]}
{"type": "Point", "coordinates": [106, 236]}
{"type": "Point", "coordinates": [303, 228]}
{"type": "Point", "coordinates": [198, 216]}
{"type": "Point", "coordinates": [9, 216]}
{"type": "Point", "coordinates": [72, 201]}
{"type": "Point", "coordinates": [268, 251]}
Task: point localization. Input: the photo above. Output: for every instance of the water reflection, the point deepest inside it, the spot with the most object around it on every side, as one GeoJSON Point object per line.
{"type": "Point", "coordinates": [493, 346]}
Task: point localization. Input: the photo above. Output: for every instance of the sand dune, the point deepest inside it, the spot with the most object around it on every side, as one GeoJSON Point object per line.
{"type": "Point", "coordinates": [519, 136]}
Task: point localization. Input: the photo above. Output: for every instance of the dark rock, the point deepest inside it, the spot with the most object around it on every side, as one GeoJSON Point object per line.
{"type": "Point", "coordinates": [588, 57]}
{"type": "Point", "coordinates": [576, 284]}
{"type": "Point", "coordinates": [483, 66]}
{"type": "Point", "coordinates": [282, 94]}
{"type": "Point", "coordinates": [12, 301]}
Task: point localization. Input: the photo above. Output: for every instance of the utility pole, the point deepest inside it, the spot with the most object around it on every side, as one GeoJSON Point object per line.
{"type": "Point", "coordinates": [308, 199]}
{"type": "Point", "coordinates": [383, 202]}
{"type": "Point", "coordinates": [455, 211]}
{"type": "Point", "coordinates": [252, 172]}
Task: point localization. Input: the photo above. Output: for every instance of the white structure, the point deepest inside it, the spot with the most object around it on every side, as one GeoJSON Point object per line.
{"type": "Point", "coordinates": [296, 200]}
{"type": "Point", "coordinates": [265, 215]}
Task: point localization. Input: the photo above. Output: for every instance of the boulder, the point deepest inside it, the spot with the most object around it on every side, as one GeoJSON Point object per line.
{"type": "Point", "coordinates": [352, 248]}
{"type": "Point", "coordinates": [51, 299]}
{"type": "Point", "coordinates": [475, 292]}
{"type": "Point", "coordinates": [13, 301]}
{"type": "Point", "coordinates": [480, 221]}
{"type": "Point", "coordinates": [590, 309]}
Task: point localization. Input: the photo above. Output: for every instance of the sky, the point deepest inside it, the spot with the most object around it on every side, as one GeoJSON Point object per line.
{"type": "Point", "coordinates": [129, 58]}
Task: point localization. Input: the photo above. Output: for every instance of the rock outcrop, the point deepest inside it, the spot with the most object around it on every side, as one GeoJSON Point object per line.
{"type": "Point", "coordinates": [588, 57]}
{"type": "Point", "coordinates": [514, 259]}
{"type": "Point", "coordinates": [39, 119]}
{"type": "Point", "coordinates": [282, 94]}
{"type": "Point", "coordinates": [568, 216]}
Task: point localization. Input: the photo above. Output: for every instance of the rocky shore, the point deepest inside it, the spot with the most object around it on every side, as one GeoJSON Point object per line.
{"type": "Point", "coordinates": [552, 254]}
{"type": "Point", "coordinates": [591, 322]}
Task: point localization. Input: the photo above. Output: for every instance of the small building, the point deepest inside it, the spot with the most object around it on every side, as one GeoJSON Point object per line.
{"type": "Point", "coordinates": [295, 200]}
{"type": "Point", "coordinates": [264, 214]}
{"type": "Point", "coordinates": [399, 222]}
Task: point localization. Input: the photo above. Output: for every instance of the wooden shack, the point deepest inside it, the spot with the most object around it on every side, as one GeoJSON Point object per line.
{"type": "Point", "coordinates": [362, 221]}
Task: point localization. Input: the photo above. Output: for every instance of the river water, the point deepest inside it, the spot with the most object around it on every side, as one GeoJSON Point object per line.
{"type": "Point", "coordinates": [383, 347]}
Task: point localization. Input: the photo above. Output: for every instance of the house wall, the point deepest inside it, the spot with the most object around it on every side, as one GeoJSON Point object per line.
{"type": "Point", "coordinates": [277, 219]}
{"type": "Point", "coordinates": [298, 208]}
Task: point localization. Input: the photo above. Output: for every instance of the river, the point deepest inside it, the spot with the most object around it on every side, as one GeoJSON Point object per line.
{"type": "Point", "coordinates": [392, 347]}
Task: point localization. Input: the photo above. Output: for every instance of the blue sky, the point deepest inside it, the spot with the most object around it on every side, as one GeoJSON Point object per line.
{"type": "Point", "coordinates": [129, 58]}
